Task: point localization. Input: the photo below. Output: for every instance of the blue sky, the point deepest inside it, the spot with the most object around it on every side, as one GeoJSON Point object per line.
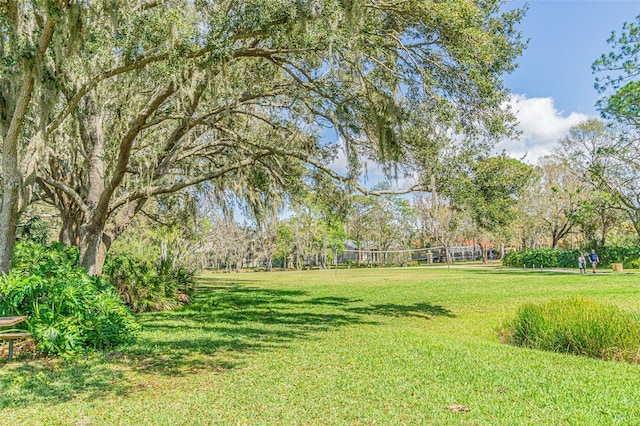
{"type": "Point", "coordinates": [553, 86]}
{"type": "Point", "coordinates": [565, 38]}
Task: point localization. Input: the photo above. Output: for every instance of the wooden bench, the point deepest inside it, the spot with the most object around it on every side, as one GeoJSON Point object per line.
{"type": "Point", "coordinates": [12, 334]}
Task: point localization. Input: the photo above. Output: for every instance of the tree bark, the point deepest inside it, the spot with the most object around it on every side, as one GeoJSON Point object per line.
{"type": "Point", "coordinates": [94, 245]}
{"type": "Point", "coordinates": [97, 237]}
{"type": "Point", "coordinates": [483, 247]}
{"type": "Point", "coordinates": [12, 178]}
{"type": "Point", "coordinates": [8, 219]}
{"type": "Point", "coordinates": [10, 171]}
{"type": "Point", "coordinates": [605, 230]}
{"type": "Point", "coordinates": [70, 230]}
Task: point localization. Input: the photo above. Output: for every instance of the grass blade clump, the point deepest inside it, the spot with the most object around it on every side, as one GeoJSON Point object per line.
{"type": "Point", "coordinates": [577, 326]}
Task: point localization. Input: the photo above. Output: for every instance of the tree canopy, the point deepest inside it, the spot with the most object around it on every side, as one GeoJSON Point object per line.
{"type": "Point", "coordinates": [489, 190]}
{"type": "Point", "coordinates": [619, 72]}
{"type": "Point", "coordinates": [108, 104]}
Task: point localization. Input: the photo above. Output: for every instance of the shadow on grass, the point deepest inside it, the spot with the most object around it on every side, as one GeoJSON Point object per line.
{"type": "Point", "coordinates": [49, 382]}
{"type": "Point", "coordinates": [421, 310]}
{"type": "Point", "coordinates": [226, 322]}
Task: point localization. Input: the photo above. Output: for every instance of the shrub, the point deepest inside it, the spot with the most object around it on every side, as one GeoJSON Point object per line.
{"type": "Point", "coordinates": [629, 256]}
{"type": "Point", "coordinates": [539, 257]}
{"type": "Point", "coordinates": [624, 255]}
{"type": "Point", "coordinates": [34, 230]}
{"type": "Point", "coordinates": [355, 264]}
{"type": "Point", "coordinates": [633, 264]}
{"type": "Point", "coordinates": [150, 286]}
{"type": "Point", "coordinates": [569, 259]}
{"type": "Point", "coordinates": [513, 258]}
{"type": "Point", "coordinates": [577, 326]}
{"type": "Point", "coordinates": [68, 310]}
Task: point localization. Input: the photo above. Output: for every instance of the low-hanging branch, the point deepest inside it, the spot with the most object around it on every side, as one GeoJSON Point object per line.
{"type": "Point", "coordinates": [127, 140]}
{"type": "Point", "coordinates": [77, 199]}
{"type": "Point", "coordinates": [165, 189]}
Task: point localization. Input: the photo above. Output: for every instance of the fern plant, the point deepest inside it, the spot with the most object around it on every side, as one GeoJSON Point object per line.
{"type": "Point", "coordinates": [68, 310]}
{"type": "Point", "coordinates": [150, 286]}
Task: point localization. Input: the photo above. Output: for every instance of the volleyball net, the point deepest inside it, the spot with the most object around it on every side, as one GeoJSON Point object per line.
{"type": "Point", "coordinates": [409, 256]}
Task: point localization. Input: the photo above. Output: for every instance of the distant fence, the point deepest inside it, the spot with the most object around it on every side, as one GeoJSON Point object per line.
{"type": "Point", "coordinates": [404, 257]}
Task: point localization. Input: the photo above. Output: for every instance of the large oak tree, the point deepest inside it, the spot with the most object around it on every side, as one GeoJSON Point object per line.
{"type": "Point", "coordinates": [148, 98]}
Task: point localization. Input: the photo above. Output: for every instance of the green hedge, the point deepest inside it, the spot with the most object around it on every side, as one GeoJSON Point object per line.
{"type": "Point", "coordinates": [548, 258]}
{"type": "Point", "coordinates": [538, 258]}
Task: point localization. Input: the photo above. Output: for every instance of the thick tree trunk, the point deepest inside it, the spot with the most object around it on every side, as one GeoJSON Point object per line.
{"type": "Point", "coordinates": [8, 222]}
{"type": "Point", "coordinates": [485, 255]}
{"type": "Point", "coordinates": [94, 245]}
{"type": "Point", "coordinates": [97, 237]}
{"type": "Point", "coordinates": [70, 230]}
{"type": "Point", "coordinates": [605, 230]}
{"type": "Point", "coordinates": [10, 172]}
{"type": "Point", "coordinates": [12, 179]}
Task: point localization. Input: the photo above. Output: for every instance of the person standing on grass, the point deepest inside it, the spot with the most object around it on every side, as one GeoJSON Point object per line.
{"type": "Point", "coordinates": [594, 259]}
{"type": "Point", "coordinates": [582, 263]}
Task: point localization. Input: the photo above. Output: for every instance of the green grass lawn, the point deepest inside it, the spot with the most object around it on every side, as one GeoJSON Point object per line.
{"type": "Point", "coordinates": [360, 347]}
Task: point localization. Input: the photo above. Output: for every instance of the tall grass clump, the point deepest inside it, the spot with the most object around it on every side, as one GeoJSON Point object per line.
{"type": "Point", "coordinates": [576, 326]}
{"type": "Point", "coordinates": [68, 310]}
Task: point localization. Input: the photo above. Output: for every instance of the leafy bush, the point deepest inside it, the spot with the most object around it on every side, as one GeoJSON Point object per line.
{"type": "Point", "coordinates": [34, 230]}
{"type": "Point", "coordinates": [629, 256]}
{"type": "Point", "coordinates": [513, 258]}
{"type": "Point", "coordinates": [147, 286]}
{"type": "Point", "coordinates": [538, 258]}
{"type": "Point", "coordinates": [625, 255]}
{"type": "Point", "coordinates": [352, 264]}
{"type": "Point", "coordinates": [68, 310]}
{"type": "Point", "coordinates": [577, 326]}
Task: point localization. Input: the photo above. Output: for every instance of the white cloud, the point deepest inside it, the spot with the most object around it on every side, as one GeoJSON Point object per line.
{"type": "Point", "coordinates": [340, 163]}
{"type": "Point", "coordinates": [542, 125]}
{"type": "Point", "coordinates": [373, 174]}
